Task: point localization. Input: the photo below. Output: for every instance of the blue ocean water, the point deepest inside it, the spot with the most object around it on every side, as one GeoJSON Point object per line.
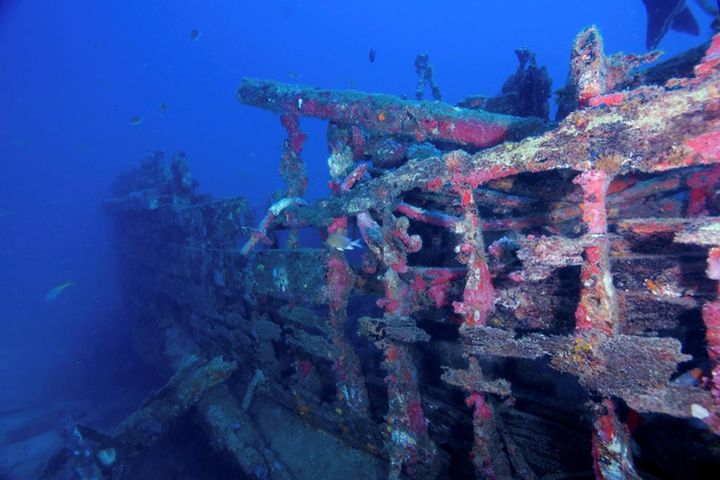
{"type": "Point", "coordinates": [75, 73]}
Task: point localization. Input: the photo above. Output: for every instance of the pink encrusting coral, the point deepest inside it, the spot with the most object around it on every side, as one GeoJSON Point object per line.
{"type": "Point", "coordinates": [478, 296]}
{"type": "Point", "coordinates": [595, 75]}
{"type": "Point", "coordinates": [702, 185]}
{"type": "Point", "coordinates": [711, 61]}
{"type": "Point", "coordinates": [439, 219]}
{"type": "Point", "coordinates": [598, 306]}
{"type": "Point", "coordinates": [353, 177]}
{"type": "Point", "coordinates": [339, 225]}
{"type": "Point", "coordinates": [389, 115]}
{"type": "Point", "coordinates": [440, 285]}
{"type": "Point", "coordinates": [608, 100]}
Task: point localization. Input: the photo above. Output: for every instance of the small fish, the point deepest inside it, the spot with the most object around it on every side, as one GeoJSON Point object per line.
{"type": "Point", "coordinates": [163, 107]}
{"type": "Point", "coordinates": [288, 12]}
{"type": "Point", "coordinates": [54, 293]}
{"type": "Point", "coordinates": [341, 242]}
{"type": "Point", "coordinates": [691, 378]}
{"type": "Point", "coordinates": [136, 120]}
{"type": "Point", "coordinates": [372, 54]}
{"type": "Point", "coordinates": [293, 74]}
{"type": "Point", "coordinates": [194, 34]}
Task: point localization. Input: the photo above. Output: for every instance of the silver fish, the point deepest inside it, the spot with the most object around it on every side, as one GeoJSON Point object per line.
{"type": "Point", "coordinates": [341, 242]}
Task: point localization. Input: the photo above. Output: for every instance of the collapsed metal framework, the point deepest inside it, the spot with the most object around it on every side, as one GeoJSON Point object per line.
{"type": "Point", "coordinates": [528, 271]}
{"type": "Point", "coordinates": [621, 162]}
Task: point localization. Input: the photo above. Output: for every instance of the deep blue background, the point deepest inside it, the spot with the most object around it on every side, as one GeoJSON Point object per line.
{"type": "Point", "coordinates": [73, 73]}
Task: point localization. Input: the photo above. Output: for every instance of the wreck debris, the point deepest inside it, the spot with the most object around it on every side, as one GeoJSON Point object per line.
{"type": "Point", "coordinates": [594, 74]}
{"type": "Point", "coordinates": [597, 313]}
{"type": "Point", "coordinates": [708, 233]}
{"type": "Point", "coordinates": [107, 456]}
{"type": "Point", "coordinates": [424, 71]}
{"type": "Point", "coordinates": [351, 389]}
{"type": "Point", "coordinates": [80, 459]}
{"type": "Point", "coordinates": [678, 66]}
{"type": "Point", "coordinates": [477, 304]}
{"type": "Point", "coordinates": [292, 168]}
{"type": "Point", "coordinates": [261, 234]}
{"type": "Point", "coordinates": [610, 445]}
{"type": "Point", "coordinates": [576, 267]}
{"type": "Point", "coordinates": [409, 444]}
{"type": "Point", "coordinates": [258, 377]}
{"type": "Point", "coordinates": [596, 317]}
{"type": "Point", "coordinates": [231, 430]}
{"type": "Point", "coordinates": [524, 94]}
{"type": "Point", "coordinates": [486, 455]}
{"type": "Point", "coordinates": [597, 310]}
{"type": "Point", "coordinates": [478, 295]}
{"type": "Point", "coordinates": [530, 86]}
{"type": "Point", "coordinates": [388, 115]}
{"type": "Point", "coordinates": [181, 392]}
{"type": "Point", "coordinates": [599, 158]}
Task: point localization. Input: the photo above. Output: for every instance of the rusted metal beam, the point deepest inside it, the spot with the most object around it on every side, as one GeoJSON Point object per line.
{"type": "Point", "coordinates": [388, 114]}
{"type": "Point", "coordinates": [664, 129]}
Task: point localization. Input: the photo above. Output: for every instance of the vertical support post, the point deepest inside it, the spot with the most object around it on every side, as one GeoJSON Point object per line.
{"type": "Point", "coordinates": [476, 306]}
{"type": "Point", "coordinates": [350, 384]}
{"type": "Point", "coordinates": [486, 441]}
{"type": "Point", "coordinates": [351, 388]}
{"type": "Point", "coordinates": [610, 445]}
{"type": "Point", "coordinates": [596, 318]}
{"type": "Point", "coordinates": [292, 167]}
{"type": "Point", "coordinates": [597, 310]}
{"type": "Point", "coordinates": [479, 293]}
{"type": "Point", "coordinates": [409, 444]}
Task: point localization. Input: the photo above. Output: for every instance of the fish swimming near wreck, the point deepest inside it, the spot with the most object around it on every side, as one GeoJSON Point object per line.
{"type": "Point", "coordinates": [664, 15]}
{"type": "Point", "coordinates": [55, 292]}
{"type": "Point", "coordinates": [341, 242]}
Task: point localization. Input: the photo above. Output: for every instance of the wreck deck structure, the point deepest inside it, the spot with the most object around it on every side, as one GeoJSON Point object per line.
{"type": "Point", "coordinates": [531, 303]}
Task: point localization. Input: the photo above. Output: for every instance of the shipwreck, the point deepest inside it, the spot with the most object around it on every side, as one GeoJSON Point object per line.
{"type": "Point", "coordinates": [536, 299]}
